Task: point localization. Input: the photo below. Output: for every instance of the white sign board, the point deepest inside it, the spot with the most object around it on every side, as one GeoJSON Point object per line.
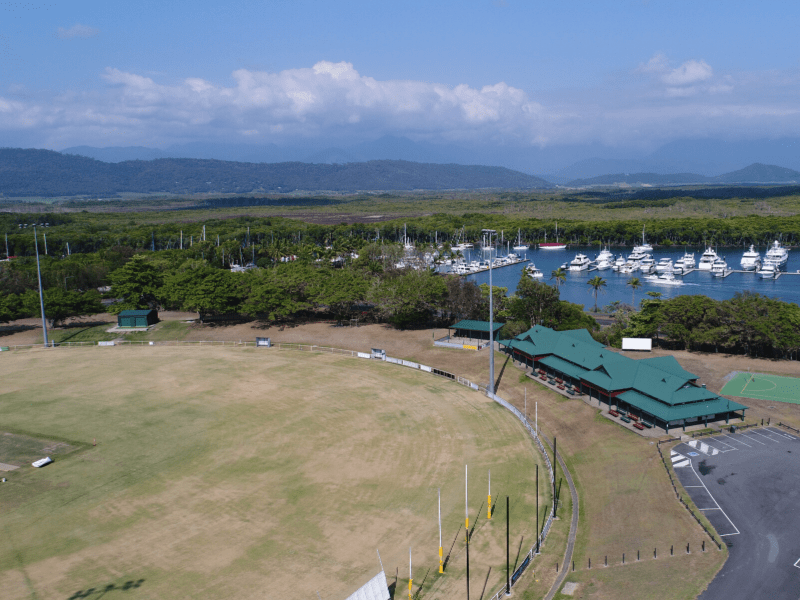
{"type": "Point", "coordinates": [637, 344]}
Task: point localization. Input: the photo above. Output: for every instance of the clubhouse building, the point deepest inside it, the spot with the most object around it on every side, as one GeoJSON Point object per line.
{"type": "Point", "coordinates": [657, 390]}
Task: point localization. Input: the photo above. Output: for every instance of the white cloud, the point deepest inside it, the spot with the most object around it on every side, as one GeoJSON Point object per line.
{"type": "Point", "coordinates": [333, 99]}
{"type": "Point", "coordinates": [691, 71]}
{"type": "Point", "coordinates": [77, 31]}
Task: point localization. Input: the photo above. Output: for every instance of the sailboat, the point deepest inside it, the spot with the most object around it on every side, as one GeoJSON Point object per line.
{"type": "Point", "coordinates": [520, 245]}
{"type": "Point", "coordinates": [552, 245]}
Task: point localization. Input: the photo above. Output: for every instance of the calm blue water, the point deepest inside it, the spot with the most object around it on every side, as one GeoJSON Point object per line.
{"type": "Point", "coordinates": [786, 287]}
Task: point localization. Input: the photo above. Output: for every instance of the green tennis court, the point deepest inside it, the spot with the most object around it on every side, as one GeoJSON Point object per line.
{"type": "Point", "coordinates": [760, 386]}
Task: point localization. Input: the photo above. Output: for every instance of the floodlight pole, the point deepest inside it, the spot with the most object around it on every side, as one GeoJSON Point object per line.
{"type": "Point", "coordinates": [489, 233]}
{"type": "Point", "coordinates": [41, 295]}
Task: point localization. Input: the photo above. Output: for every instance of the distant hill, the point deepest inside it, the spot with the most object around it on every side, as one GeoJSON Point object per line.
{"type": "Point", "coordinates": [760, 173]}
{"type": "Point", "coordinates": [755, 173]}
{"type": "Point", "coordinates": [26, 173]}
{"type": "Point", "coordinates": [642, 179]}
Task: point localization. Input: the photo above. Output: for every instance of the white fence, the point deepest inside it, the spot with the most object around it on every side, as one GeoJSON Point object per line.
{"type": "Point", "coordinates": [398, 361]}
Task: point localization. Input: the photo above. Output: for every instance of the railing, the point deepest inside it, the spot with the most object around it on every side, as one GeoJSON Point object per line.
{"type": "Point", "coordinates": [542, 535]}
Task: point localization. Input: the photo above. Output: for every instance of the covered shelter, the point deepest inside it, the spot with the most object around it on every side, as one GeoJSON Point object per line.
{"type": "Point", "coordinates": [474, 330]}
{"type": "Point", "coordinates": [657, 390]}
{"type": "Point", "coordinates": [137, 318]}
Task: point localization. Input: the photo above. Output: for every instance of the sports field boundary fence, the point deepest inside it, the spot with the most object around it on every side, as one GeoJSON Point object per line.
{"type": "Point", "coordinates": [541, 535]}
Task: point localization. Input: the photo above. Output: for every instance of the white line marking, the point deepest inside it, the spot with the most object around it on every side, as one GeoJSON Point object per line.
{"type": "Point", "coordinates": [752, 439]}
{"type": "Point", "coordinates": [727, 534]}
{"type": "Point", "coordinates": [730, 448]}
{"type": "Point", "coordinates": [797, 564]}
{"type": "Point", "coordinates": [717, 503]}
{"type": "Point", "coordinates": [719, 441]}
{"type": "Point", "coordinates": [737, 441]}
{"type": "Point", "coordinates": [765, 436]}
{"type": "Point", "coordinates": [688, 486]}
{"type": "Point", "coordinates": [779, 432]}
{"type": "Point", "coordinates": [709, 509]}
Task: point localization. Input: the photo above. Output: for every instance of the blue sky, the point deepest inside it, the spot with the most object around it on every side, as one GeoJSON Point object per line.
{"type": "Point", "coordinates": [495, 72]}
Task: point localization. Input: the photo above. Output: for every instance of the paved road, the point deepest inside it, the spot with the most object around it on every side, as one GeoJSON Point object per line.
{"type": "Point", "coordinates": [748, 485]}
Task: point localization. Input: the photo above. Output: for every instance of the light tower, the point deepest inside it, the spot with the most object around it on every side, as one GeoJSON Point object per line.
{"type": "Point", "coordinates": [489, 233]}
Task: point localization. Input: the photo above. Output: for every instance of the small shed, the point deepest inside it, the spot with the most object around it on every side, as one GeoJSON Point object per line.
{"type": "Point", "coordinates": [137, 318]}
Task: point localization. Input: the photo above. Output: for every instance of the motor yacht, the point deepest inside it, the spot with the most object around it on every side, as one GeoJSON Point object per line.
{"type": "Point", "coordinates": [769, 270]}
{"type": "Point", "coordinates": [647, 264]}
{"type": "Point", "coordinates": [707, 260]}
{"type": "Point", "coordinates": [685, 263]}
{"type": "Point", "coordinates": [604, 264]}
{"type": "Point", "coordinates": [665, 265]}
{"type": "Point", "coordinates": [751, 260]}
{"type": "Point", "coordinates": [579, 263]}
{"type": "Point", "coordinates": [720, 267]}
{"type": "Point", "coordinates": [663, 279]}
{"type": "Point", "coordinates": [532, 271]}
{"type": "Point", "coordinates": [777, 254]}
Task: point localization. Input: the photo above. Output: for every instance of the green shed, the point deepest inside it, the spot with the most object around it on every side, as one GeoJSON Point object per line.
{"type": "Point", "coordinates": [137, 318]}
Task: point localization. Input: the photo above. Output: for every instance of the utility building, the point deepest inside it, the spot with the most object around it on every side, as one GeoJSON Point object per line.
{"type": "Point", "coordinates": [137, 318]}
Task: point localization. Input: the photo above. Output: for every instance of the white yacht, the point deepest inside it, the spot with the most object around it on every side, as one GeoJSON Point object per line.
{"type": "Point", "coordinates": [579, 263]}
{"type": "Point", "coordinates": [707, 260]}
{"type": "Point", "coordinates": [532, 271]}
{"type": "Point", "coordinates": [552, 245]}
{"type": "Point", "coordinates": [665, 266]}
{"type": "Point", "coordinates": [604, 264]}
{"type": "Point", "coordinates": [768, 270]}
{"type": "Point", "coordinates": [645, 247]}
{"type": "Point", "coordinates": [720, 267]}
{"type": "Point", "coordinates": [664, 279]}
{"type": "Point", "coordinates": [520, 246]}
{"type": "Point", "coordinates": [619, 262]}
{"type": "Point", "coordinates": [751, 260]}
{"type": "Point", "coordinates": [777, 254]}
{"type": "Point", "coordinates": [647, 264]}
{"type": "Point", "coordinates": [685, 263]}
{"type": "Point", "coordinates": [605, 254]}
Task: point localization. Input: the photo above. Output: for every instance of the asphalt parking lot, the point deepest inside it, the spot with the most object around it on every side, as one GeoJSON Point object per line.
{"type": "Point", "coordinates": [748, 486]}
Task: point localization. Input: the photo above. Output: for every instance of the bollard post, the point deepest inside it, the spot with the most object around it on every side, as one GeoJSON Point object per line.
{"type": "Point", "coordinates": [637, 556]}
{"type": "Point", "coordinates": [704, 545]}
{"type": "Point", "coordinates": [655, 552]}
{"type": "Point", "coordinates": [670, 550]}
{"type": "Point", "coordinates": [590, 563]}
{"type": "Point", "coordinates": [623, 558]}
{"type": "Point", "coordinates": [687, 548]}
{"type": "Point", "coordinates": [606, 559]}
{"type": "Point", "coordinates": [556, 566]}
{"type": "Point", "coordinates": [573, 566]}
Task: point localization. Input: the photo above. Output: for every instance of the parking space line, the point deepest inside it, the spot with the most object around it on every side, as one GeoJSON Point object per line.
{"type": "Point", "coordinates": [688, 486]}
{"type": "Point", "coordinates": [797, 564]}
{"type": "Point", "coordinates": [765, 436]}
{"type": "Point", "coordinates": [779, 432]}
{"type": "Point", "coordinates": [737, 441]}
{"type": "Point", "coordinates": [752, 439]}
{"type": "Point", "coordinates": [709, 508]}
{"type": "Point", "coordinates": [709, 440]}
{"type": "Point", "coordinates": [717, 503]}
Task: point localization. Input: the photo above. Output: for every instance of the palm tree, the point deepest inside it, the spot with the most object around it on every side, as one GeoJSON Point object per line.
{"type": "Point", "coordinates": [560, 275]}
{"type": "Point", "coordinates": [597, 283]}
{"type": "Point", "coordinates": [635, 284]}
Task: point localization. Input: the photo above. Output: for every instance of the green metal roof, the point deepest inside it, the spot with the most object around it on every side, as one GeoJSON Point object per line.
{"type": "Point", "coordinates": [135, 313]}
{"type": "Point", "coordinates": [668, 413]}
{"type": "Point", "coordinates": [658, 385]}
{"type": "Point", "coordinates": [564, 366]}
{"type": "Point", "coordinates": [475, 325]}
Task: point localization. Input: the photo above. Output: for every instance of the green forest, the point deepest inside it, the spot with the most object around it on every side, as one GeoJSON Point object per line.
{"type": "Point", "coordinates": [181, 259]}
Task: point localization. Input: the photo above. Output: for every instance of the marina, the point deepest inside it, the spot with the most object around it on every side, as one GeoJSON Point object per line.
{"type": "Point", "coordinates": [783, 285]}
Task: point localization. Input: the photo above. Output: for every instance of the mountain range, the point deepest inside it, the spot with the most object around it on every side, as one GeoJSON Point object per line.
{"type": "Point", "coordinates": [559, 164]}
{"type": "Point", "coordinates": [31, 172]}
